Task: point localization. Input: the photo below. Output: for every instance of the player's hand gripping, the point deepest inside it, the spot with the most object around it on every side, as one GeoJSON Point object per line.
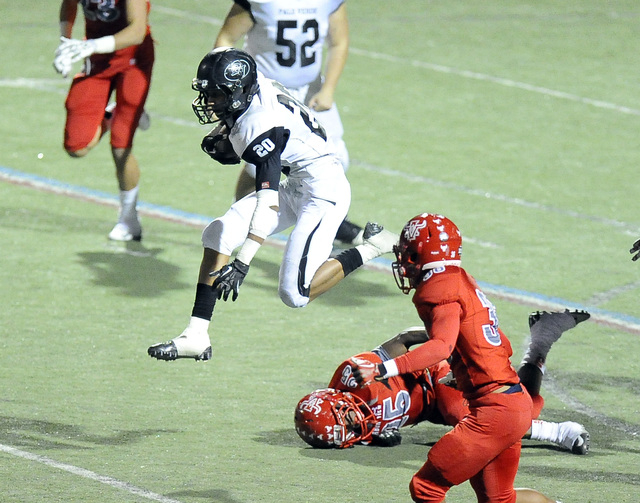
{"type": "Point", "coordinates": [229, 278]}
{"type": "Point", "coordinates": [217, 145]}
{"type": "Point", "coordinates": [364, 371]}
{"type": "Point", "coordinates": [635, 249]}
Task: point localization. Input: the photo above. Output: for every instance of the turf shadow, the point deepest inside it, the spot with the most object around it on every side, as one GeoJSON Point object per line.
{"type": "Point", "coordinates": [51, 435]}
{"type": "Point", "coordinates": [136, 272]}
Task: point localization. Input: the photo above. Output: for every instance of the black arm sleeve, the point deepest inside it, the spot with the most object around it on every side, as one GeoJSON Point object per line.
{"type": "Point", "coordinates": [265, 152]}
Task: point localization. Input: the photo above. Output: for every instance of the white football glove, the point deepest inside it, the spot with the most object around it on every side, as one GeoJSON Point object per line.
{"type": "Point", "coordinates": [62, 61]}
{"type": "Point", "coordinates": [77, 50]}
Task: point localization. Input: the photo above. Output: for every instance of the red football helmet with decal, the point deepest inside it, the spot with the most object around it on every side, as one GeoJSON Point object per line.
{"type": "Point", "coordinates": [427, 241]}
{"type": "Point", "coordinates": [328, 418]}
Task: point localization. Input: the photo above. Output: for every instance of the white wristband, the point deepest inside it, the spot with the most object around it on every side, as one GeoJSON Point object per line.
{"type": "Point", "coordinates": [248, 251]}
{"type": "Point", "coordinates": [105, 45]}
{"type": "Point", "coordinates": [391, 368]}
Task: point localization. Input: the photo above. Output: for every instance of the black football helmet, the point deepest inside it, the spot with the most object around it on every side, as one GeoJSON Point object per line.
{"type": "Point", "coordinates": [227, 81]}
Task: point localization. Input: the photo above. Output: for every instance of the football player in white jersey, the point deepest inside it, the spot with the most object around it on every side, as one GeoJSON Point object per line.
{"type": "Point", "coordinates": [286, 39]}
{"type": "Point", "coordinates": [258, 121]}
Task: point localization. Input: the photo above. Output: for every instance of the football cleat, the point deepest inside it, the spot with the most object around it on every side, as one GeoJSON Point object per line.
{"type": "Point", "coordinates": [574, 437]}
{"type": "Point", "coordinates": [122, 232]}
{"type": "Point", "coordinates": [578, 315]}
{"type": "Point", "coordinates": [183, 346]}
{"type": "Point", "coordinates": [378, 238]}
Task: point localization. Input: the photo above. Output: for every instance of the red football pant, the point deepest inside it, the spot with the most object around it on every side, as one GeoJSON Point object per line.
{"type": "Point", "coordinates": [484, 448]}
{"type": "Point", "coordinates": [128, 72]}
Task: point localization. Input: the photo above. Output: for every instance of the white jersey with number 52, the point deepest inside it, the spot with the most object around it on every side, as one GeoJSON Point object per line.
{"type": "Point", "coordinates": [288, 38]}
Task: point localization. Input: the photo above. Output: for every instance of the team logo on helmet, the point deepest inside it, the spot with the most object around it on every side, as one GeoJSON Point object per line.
{"type": "Point", "coordinates": [312, 404]}
{"type": "Point", "coordinates": [413, 228]}
{"type": "Point", "coordinates": [237, 70]}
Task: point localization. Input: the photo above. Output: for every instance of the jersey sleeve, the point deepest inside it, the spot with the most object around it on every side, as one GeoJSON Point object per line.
{"type": "Point", "coordinates": [265, 152]}
{"type": "Point", "coordinates": [444, 324]}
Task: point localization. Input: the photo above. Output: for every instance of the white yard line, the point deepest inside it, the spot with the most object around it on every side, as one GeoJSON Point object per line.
{"type": "Point", "coordinates": [87, 474]}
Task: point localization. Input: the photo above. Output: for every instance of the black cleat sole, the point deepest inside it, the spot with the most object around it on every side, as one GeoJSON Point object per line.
{"type": "Point", "coordinates": [168, 352]}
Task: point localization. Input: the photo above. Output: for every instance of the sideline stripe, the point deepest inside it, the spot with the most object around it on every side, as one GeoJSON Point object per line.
{"type": "Point", "coordinates": [607, 318]}
{"type": "Point", "coordinates": [629, 229]}
{"type": "Point", "coordinates": [118, 484]}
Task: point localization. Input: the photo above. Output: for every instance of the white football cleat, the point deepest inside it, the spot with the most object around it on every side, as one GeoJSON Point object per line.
{"type": "Point", "coordinates": [574, 437]}
{"type": "Point", "coordinates": [379, 238]}
{"type": "Point", "coordinates": [189, 344]}
{"type": "Point", "coordinates": [123, 232]}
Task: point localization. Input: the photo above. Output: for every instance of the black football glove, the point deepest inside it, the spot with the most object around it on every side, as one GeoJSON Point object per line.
{"type": "Point", "coordinates": [388, 438]}
{"type": "Point", "coordinates": [229, 278]}
{"type": "Point", "coordinates": [635, 249]}
{"type": "Point", "coordinates": [219, 148]}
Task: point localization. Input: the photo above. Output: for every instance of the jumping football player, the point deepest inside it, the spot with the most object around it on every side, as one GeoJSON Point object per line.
{"type": "Point", "coordinates": [286, 38]}
{"type": "Point", "coordinates": [260, 122]}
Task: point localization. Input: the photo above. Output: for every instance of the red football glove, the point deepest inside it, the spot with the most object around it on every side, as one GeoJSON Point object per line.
{"type": "Point", "coordinates": [364, 371]}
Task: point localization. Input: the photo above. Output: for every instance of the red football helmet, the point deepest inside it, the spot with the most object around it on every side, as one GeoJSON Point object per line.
{"type": "Point", "coordinates": [328, 418]}
{"type": "Point", "coordinates": [427, 241]}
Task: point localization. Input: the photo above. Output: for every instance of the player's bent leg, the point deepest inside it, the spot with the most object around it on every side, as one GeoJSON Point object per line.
{"type": "Point", "coordinates": [428, 485]}
{"type": "Point", "coordinates": [83, 151]}
{"type": "Point", "coordinates": [306, 269]}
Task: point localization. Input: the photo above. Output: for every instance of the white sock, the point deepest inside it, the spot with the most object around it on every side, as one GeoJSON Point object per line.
{"type": "Point", "coordinates": [546, 431]}
{"type": "Point", "coordinates": [128, 202]}
{"type": "Point", "coordinates": [367, 252]}
{"type": "Point", "coordinates": [198, 324]}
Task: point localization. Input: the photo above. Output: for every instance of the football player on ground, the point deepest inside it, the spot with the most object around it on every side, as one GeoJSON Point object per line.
{"type": "Point", "coordinates": [345, 414]}
{"type": "Point", "coordinates": [118, 56]}
{"type": "Point", "coordinates": [260, 122]}
{"type": "Point", "coordinates": [286, 39]}
{"type": "Point", "coordinates": [484, 446]}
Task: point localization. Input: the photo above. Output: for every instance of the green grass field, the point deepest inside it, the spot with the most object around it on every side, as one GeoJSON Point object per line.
{"type": "Point", "coordinates": [518, 120]}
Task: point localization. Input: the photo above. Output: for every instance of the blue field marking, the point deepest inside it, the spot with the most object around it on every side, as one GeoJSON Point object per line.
{"type": "Point", "coordinates": [538, 301]}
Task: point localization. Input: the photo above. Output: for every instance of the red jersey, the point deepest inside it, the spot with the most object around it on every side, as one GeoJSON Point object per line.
{"type": "Point", "coordinates": [398, 401]}
{"type": "Point", "coordinates": [106, 17]}
{"type": "Point", "coordinates": [462, 323]}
